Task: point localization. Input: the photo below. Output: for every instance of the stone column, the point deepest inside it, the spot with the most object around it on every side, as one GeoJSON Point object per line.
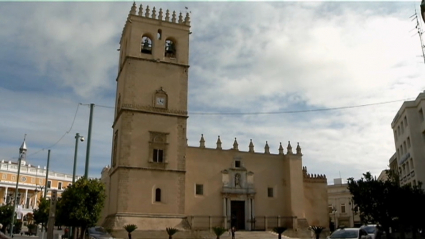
{"type": "Point", "coordinates": [229, 216]}
{"type": "Point", "coordinates": [5, 195]}
{"type": "Point", "coordinates": [25, 200]}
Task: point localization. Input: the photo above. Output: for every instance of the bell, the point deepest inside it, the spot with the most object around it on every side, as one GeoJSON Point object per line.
{"type": "Point", "coordinates": [170, 49]}
{"type": "Point", "coordinates": [147, 48]}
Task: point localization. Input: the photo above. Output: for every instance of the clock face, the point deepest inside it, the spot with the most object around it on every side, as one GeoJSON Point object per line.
{"type": "Point", "coordinates": [160, 101]}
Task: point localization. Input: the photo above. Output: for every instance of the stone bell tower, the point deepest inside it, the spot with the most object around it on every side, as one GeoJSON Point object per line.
{"type": "Point", "coordinates": [147, 174]}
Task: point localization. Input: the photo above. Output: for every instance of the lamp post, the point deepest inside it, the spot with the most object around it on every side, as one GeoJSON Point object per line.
{"type": "Point", "coordinates": [81, 138]}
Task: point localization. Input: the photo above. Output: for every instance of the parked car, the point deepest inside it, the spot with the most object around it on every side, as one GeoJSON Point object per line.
{"type": "Point", "coordinates": [98, 233]}
{"type": "Point", "coordinates": [349, 233]}
{"type": "Point", "coordinates": [370, 229]}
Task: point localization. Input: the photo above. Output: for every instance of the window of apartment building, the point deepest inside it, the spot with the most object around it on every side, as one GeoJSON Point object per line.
{"type": "Point", "coordinates": [405, 121]}
{"type": "Point", "coordinates": [407, 167]}
{"type": "Point", "coordinates": [158, 195]}
{"type": "Point", "coordinates": [411, 164]}
{"type": "Point", "coordinates": [199, 189]}
{"type": "Point", "coordinates": [60, 185]}
{"type": "Point", "coordinates": [421, 115]}
{"type": "Point", "coordinates": [401, 150]}
{"type": "Point", "coordinates": [158, 146]}
{"type": "Point", "coordinates": [237, 164]}
{"type": "Point", "coordinates": [402, 127]}
{"type": "Point", "coordinates": [49, 184]}
{"type": "Point", "coordinates": [32, 180]}
{"type": "Point", "coordinates": [4, 176]}
{"type": "Point", "coordinates": [395, 134]}
{"type": "Point", "coordinates": [408, 142]}
{"type": "Point", "coordinates": [270, 192]}
{"type": "Point", "coordinates": [40, 181]}
{"type": "Point", "coordinates": [398, 153]}
{"type": "Point", "coordinates": [24, 179]}
{"type": "Point", "coordinates": [398, 130]}
{"type": "Point", "coordinates": [343, 208]}
{"type": "Point", "coordinates": [404, 146]}
{"type": "Point", "coordinates": [13, 178]}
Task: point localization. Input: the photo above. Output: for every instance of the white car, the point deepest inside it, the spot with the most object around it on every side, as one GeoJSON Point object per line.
{"type": "Point", "coordinates": [370, 229]}
{"type": "Point", "coordinates": [349, 233]}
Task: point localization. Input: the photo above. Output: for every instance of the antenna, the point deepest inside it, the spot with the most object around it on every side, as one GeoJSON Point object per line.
{"type": "Point", "coordinates": [420, 32]}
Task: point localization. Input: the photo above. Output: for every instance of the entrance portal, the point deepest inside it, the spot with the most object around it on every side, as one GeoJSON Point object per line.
{"type": "Point", "coordinates": [238, 215]}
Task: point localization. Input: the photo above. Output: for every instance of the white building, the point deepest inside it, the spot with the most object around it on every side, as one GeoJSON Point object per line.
{"type": "Point", "coordinates": [409, 137]}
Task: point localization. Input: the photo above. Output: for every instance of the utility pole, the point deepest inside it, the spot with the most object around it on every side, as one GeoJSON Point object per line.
{"type": "Point", "coordinates": [22, 154]}
{"type": "Point", "coordinates": [47, 173]}
{"type": "Point", "coordinates": [86, 171]}
{"type": "Point", "coordinates": [419, 29]}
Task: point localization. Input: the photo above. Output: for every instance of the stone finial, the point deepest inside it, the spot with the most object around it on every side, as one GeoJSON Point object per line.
{"type": "Point", "coordinates": [280, 148]}
{"type": "Point", "coordinates": [299, 149]}
{"type": "Point", "coordinates": [173, 19]}
{"type": "Point", "coordinates": [154, 13]}
{"type": "Point", "coordinates": [140, 10]}
{"type": "Point", "coordinates": [267, 148]}
{"type": "Point", "coordinates": [235, 145]}
{"type": "Point", "coordinates": [218, 143]}
{"type": "Point", "coordinates": [180, 18]}
{"type": "Point", "coordinates": [167, 15]}
{"type": "Point", "coordinates": [289, 148]}
{"type": "Point", "coordinates": [160, 16]}
{"type": "Point", "coordinates": [202, 142]}
{"type": "Point", "coordinates": [147, 11]}
{"type": "Point", "coordinates": [251, 147]}
{"type": "Point", "coordinates": [187, 19]}
{"type": "Point", "coordinates": [133, 9]}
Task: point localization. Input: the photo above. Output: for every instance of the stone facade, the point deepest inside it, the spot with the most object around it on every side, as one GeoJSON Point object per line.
{"type": "Point", "coordinates": [156, 180]}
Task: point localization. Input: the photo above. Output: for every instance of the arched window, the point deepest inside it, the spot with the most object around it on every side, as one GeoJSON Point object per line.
{"type": "Point", "coordinates": [146, 45]}
{"type": "Point", "coordinates": [170, 48]}
{"type": "Point", "coordinates": [158, 195]}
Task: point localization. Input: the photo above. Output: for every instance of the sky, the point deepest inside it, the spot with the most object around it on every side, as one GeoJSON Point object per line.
{"type": "Point", "coordinates": [252, 63]}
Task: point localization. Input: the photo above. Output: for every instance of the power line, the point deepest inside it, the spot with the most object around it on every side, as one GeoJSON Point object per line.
{"type": "Point", "coordinates": [297, 111]}
{"type": "Point", "coordinates": [70, 128]}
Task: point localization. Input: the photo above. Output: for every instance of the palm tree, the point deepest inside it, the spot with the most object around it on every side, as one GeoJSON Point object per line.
{"type": "Point", "coordinates": [218, 231]}
{"type": "Point", "coordinates": [279, 231]}
{"type": "Point", "coordinates": [317, 230]}
{"type": "Point", "coordinates": [171, 231]}
{"type": "Point", "coordinates": [130, 228]}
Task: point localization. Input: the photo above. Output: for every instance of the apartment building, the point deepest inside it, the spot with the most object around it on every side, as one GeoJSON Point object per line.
{"type": "Point", "coordinates": [409, 137]}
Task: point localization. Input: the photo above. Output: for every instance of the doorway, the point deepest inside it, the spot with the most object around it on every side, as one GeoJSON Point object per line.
{"type": "Point", "coordinates": [237, 215]}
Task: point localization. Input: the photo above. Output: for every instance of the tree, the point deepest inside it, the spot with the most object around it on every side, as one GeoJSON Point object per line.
{"type": "Point", "coordinates": [388, 204]}
{"type": "Point", "coordinates": [41, 215]}
{"type": "Point", "coordinates": [218, 231]}
{"type": "Point", "coordinates": [279, 231]}
{"type": "Point", "coordinates": [171, 231]}
{"type": "Point", "coordinates": [6, 212]}
{"type": "Point", "coordinates": [81, 204]}
{"type": "Point", "coordinates": [130, 228]}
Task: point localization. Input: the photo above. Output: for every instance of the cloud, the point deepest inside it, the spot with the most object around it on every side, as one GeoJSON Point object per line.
{"type": "Point", "coordinates": [244, 57]}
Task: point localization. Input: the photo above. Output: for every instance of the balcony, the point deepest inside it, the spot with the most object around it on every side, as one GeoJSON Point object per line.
{"type": "Point", "coordinates": [404, 158]}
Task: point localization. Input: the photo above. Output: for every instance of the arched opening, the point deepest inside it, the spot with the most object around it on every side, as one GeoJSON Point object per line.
{"type": "Point", "coordinates": [170, 48]}
{"type": "Point", "coordinates": [159, 34]}
{"type": "Point", "coordinates": [158, 195]}
{"type": "Point", "coordinates": [146, 45]}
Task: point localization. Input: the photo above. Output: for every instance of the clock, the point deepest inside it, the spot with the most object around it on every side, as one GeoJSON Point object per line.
{"type": "Point", "coordinates": [160, 101]}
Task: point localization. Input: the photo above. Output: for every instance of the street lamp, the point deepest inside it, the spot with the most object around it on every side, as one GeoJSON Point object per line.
{"type": "Point", "coordinates": [81, 138]}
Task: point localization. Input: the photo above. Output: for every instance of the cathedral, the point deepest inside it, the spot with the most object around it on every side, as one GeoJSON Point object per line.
{"type": "Point", "coordinates": [156, 180]}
